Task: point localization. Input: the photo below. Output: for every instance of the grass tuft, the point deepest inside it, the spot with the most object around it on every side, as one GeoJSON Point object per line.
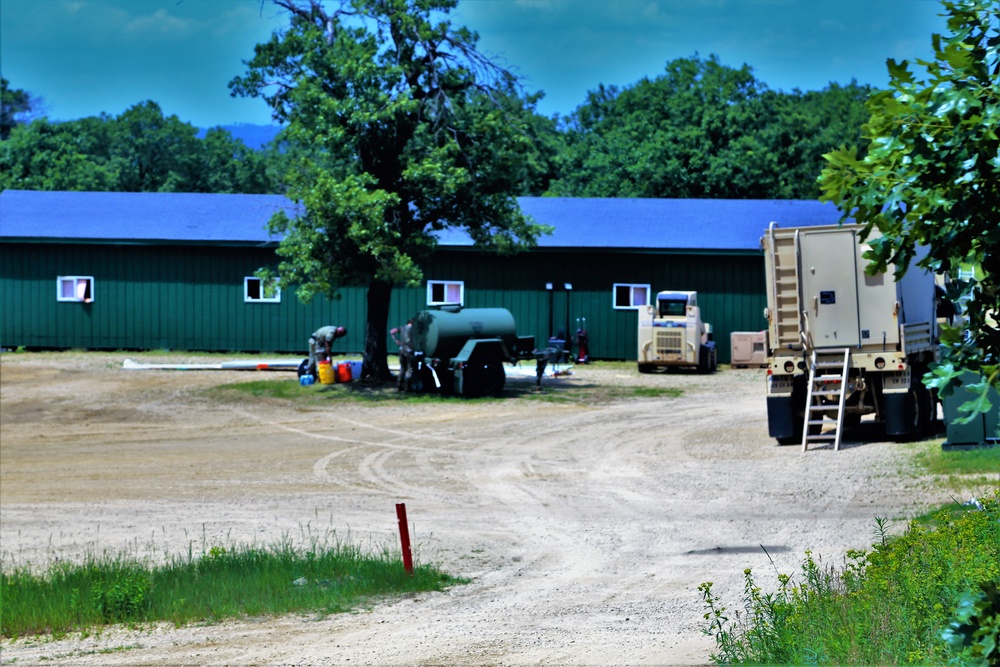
{"type": "Point", "coordinates": [218, 584]}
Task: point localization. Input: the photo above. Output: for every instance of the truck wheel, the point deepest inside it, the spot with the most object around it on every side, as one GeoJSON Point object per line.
{"type": "Point", "coordinates": [922, 412]}
{"type": "Point", "coordinates": [646, 368]}
{"type": "Point", "coordinates": [916, 407]}
{"type": "Point", "coordinates": [704, 360]}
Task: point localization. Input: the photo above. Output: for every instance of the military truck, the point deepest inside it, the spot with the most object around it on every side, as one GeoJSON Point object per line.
{"type": "Point", "coordinates": [463, 350]}
{"type": "Point", "coordinates": [672, 335]}
{"type": "Point", "coordinates": [842, 344]}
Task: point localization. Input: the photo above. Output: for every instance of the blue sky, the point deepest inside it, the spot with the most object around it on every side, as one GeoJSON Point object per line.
{"type": "Point", "coordinates": [84, 57]}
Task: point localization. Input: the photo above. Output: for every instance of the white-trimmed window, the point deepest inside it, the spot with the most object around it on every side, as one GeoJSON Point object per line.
{"type": "Point", "coordinates": [257, 290]}
{"type": "Point", "coordinates": [630, 296]}
{"type": "Point", "coordinates": [442, 292]}
{"type": "Point", "coordinates": [75, 288]}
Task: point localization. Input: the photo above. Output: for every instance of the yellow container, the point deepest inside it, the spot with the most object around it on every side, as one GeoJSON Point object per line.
{"type": "Point", "coordinates": [325, 372]}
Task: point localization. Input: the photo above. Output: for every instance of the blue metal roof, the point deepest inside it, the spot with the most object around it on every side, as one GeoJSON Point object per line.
{"type": "Point", "coordinates": [139, 216]}
{"type": "Point", "coordinates": [678, 224]}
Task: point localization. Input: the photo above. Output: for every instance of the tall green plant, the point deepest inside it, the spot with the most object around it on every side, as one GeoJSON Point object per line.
{"type": "Point", "coordinates": [889, 605]}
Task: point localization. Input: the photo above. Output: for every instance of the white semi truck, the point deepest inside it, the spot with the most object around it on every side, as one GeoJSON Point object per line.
{"type": "Point", "coordinates": [672, 335]}
{"type": "Point", "coordinates": [842, 344]}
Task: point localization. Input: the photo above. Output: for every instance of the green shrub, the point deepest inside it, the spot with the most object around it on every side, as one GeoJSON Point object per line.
{"type": "Point", "coordinates": [122, 596]}
{"type": "Point", "coordinates": [889, 605]}
{"type": "Point", "coordinates": [974, 634]}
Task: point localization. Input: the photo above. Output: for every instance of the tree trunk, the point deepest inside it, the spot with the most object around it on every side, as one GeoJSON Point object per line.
{"type": "Point", "coordinates": [375, 365]}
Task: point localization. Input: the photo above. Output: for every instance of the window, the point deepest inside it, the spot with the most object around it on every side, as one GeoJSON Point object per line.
{"type": "Point", "coordinates": [256, 290]}
{"type": "Point", "coordinates": [75, 288]}
{"type": "Point", "coordinates": [441, 292]}
{"type": "Point", "coordinates": [630, 296]}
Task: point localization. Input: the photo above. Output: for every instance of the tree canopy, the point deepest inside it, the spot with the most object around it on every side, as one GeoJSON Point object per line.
{"type": "Point", "coordinates": [931, 178]}
{"type": "Point", "coordinates": [15, 104]}
{"type": "Point", "coordinates": [703, 129]}
{"type": "Point", "coordinates": [141, 150]}
{"type": "Point", "coordinates": [405, 129]}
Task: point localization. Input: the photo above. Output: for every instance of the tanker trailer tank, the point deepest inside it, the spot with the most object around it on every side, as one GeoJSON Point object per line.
{"type": "Point", "coordinates": [462, 350]}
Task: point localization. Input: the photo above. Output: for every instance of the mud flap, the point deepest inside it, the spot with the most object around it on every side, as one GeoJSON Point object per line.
{"type": "Point", "coordinates": [781, 419]}
{"type": "Point", "coordinates": [899, 413]}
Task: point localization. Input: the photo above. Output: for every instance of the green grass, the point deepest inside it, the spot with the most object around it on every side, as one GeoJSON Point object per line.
{"type": "Point", "coordinates": [937, 461]}
{"type": "Point", "coordinates": [553, 391]}
{"type": "Point", "coordinates": [886, 606]}
{"type": "Point", "coordinates": [218, 584]}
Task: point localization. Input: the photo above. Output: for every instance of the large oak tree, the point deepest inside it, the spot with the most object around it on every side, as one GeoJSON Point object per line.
{"type": "Point", "coordinates": [409, 130]}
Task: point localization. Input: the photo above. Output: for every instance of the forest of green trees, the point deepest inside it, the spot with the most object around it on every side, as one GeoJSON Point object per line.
{"type": "Point", "coordinates": [700, 129]}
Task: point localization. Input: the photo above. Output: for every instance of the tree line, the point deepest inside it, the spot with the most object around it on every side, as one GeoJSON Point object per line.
{"type": "Point", "coordinates": [699, 130]}
{"type": "Point", "coordinates": [140, 150]}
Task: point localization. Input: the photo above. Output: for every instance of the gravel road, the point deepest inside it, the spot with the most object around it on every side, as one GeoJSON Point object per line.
{"type": "Point", "coordinates": [584, 517]}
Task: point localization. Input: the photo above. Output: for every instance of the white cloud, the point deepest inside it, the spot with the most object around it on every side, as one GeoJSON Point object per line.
{"type": "Point", "coordinates": [159, 23]}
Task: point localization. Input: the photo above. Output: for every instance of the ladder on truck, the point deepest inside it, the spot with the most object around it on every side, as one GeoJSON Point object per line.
{"type": "Point", "coordinates": [827, 393]}
{"type": "Point", "coordinates": [786, 316]}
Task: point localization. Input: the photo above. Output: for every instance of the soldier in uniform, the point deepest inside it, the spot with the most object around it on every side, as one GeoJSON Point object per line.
{"type": "Point", "coordinates": [403, 337]}
{"type": "Point", "coordinates": [320, 343]}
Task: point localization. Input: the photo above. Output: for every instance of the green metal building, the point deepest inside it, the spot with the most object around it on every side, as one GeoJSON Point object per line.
{"type": "Point", "coordinates": [176, 271]}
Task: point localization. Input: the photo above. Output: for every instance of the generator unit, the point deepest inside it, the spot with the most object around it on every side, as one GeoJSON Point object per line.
{"type": "Point", "coordinates": [748, 349]}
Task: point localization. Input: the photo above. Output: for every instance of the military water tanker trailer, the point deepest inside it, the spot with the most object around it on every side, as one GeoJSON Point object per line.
{"type": "Point", "coordinates": [463, 350]}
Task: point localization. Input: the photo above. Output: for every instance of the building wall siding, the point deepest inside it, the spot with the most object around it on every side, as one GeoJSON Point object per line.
{"type": "Point", "coordinates": [191, 297]}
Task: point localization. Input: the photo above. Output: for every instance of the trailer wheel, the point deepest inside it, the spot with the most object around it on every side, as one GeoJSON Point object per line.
{"type": "Point", "coordinates": [484, 379]}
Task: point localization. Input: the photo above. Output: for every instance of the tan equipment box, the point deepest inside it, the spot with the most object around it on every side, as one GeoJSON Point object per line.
{"type": "Point", "coordinates": [748, 349]}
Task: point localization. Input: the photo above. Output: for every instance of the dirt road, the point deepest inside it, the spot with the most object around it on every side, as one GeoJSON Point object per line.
{"type": "Point", "coordinates": [585, 518]}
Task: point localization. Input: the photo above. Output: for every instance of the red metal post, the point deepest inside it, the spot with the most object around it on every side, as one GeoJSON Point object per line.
{"type": "Point", "coordinates": [404, 536]}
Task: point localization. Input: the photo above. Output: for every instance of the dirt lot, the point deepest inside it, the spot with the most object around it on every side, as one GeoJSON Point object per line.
{"type": "Point", "coordinates": [585, 525]}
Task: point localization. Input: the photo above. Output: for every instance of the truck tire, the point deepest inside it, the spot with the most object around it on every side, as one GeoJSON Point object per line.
{"type": "Point", "coordinates": [922, 409]}
{"type": "Point", "coordinates": [646, 368]}
{"type": "Point", "coordinates": [704, 360]}
{"type": "Point", "coordinates": [914, 411]}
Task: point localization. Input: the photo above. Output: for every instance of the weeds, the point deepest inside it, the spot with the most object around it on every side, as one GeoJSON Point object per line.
{"type": "Point", "coordinates": [886, 606]}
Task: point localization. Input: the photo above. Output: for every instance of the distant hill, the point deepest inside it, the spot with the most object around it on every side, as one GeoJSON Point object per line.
{"type": "Point", "coordinates": [254, 136]}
